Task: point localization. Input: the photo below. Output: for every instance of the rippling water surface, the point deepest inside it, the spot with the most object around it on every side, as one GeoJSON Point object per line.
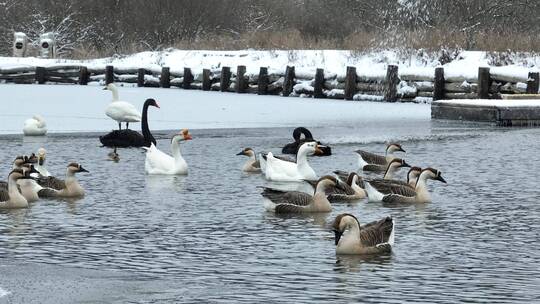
{"type": "Point", "coordinates": [206, 237]}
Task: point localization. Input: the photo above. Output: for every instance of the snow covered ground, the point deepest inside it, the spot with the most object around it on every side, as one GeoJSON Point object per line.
{"type": "Point", "coordinates": [306, 61]}
{"type": "Point", "coordinates": [68, 108]}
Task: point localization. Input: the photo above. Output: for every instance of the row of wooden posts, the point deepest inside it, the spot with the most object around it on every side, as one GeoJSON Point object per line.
{"type": "Point", "coordinates": [389, 85]}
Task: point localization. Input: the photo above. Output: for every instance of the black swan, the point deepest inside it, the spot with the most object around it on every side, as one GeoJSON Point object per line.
{"type": "Point", "coordinates": [129, 138]}
{"type": "Point", "coordinates": [292, 148]}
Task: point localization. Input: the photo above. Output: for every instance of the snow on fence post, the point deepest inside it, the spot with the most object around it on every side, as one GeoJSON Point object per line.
{"type": "Point", "coordinates": [225, 80]}
{"type": "Point", "coordinates": [318, 85]}
{"type": "Point", "coordinates": [109, 74]}
{"type": "Point", "coordinates": [392, 81]}
{"type": "Point", "coordinates": [262, 84]}
{"type": "Point", "coordinates": [350, 83]}
{"type": "Point", "coordinates": [484, 82]}
{"type": "Point", "coordinates": [288, 83]}
{"type": "Point", "coordinates": [438, 86]}
{"type": "Point", "coordinates": [188, 79]}
{"type": "Point", "coordinates": [140, 77]}
{"type": "Point", "coordinates": [20, 44]}
{"type": "Point", "coordinates": [165, 77]}
{"type": "Point", "coordinates": [533, 83]}
{"type": "Point", "coordinates": [241, 83]}
{"type": "Point", "coordinates": [83, 75]}
{"type": "Point", "coordinates": [40, 75]}
{"type": "Point", "coordinates": [206, 83]}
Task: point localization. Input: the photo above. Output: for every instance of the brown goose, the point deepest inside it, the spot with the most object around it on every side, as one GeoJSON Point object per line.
{"type": "Point", "coordinates": [252, 165]}
{"type": "Point", "coordinates": [412, 177]}
{"type": "Point", "coordinates": [54, 187]}
{"type": "Point", "coordinates": [404, 193]}
{"type": "Point", "coordinates": [352, 188]}
{"type": "Point", "coordinates": [368, 161]}
{"type": "Point", "coordinates": [11, 198]}
{"type": "Point", "coordinates": [21, 160]}
{"type": "Point", "coordinates": [373, 238]}
{"type": "Point", "coordinates": [299, 202]}
{"type": "Point", "coordinates": [393, 166]}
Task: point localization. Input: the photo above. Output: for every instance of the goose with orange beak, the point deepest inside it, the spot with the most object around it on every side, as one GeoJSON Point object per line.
{"type": "Point", "coordinates": [286, 171]}
{"type": "Point", "coordinates": [158, 162]}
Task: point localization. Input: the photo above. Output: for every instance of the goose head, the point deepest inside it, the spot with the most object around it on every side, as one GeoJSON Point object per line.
{"type": "Point", "coordinates": [326, 182]}
{"type": "Point", "coordinates": [430, 173]}
{"type": "Point", "coordinates": [182, 136]}
{"type": "Point", "coordinates": [151, 102]}
{"type": "Point", "coordinates": [353, 178]}
{"type": "Point", "coordinates": [247, 152]}
{"type": "Point", "coordinates": [413, 174]}
{"type": "Point", "coordinates": [110, 87]}
{"type": "Point", "coordinates": [397, 163]}
{"type": "Point", "coordinates": [342, 223]}
{"type": "Point", "coordinates": [394, 147]}
{"type": "Point", "coordinates": [21, 160]}
{"type": "Point", "coordinates": [17, 174]}
{"type": "Point", "coordinates": [310, 148]}
{"type": "Point", "coordinates": [75, 168]}
{"type": "Point", "coordinates": [41, 153]}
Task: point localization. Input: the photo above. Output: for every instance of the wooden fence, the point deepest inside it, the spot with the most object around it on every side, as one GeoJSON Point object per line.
{"type": "Point", "coordinates": [391, 87]}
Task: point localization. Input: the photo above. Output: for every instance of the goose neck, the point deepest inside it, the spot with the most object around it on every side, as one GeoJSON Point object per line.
{"type": "Point", "coordinates": [389, 174]}
{"type": "Point", "coordinates": [114, 91]}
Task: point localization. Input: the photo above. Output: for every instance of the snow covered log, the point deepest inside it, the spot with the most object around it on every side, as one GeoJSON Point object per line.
{"type": "Point", "coordinates": [369, 87]}
{"type": "Point", "coordinates": [464, 87]}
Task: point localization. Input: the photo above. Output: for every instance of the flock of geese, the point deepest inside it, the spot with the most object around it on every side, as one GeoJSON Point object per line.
{"type": "Point", "coordinates": [30, 180]}
{"type": "Point", "coordinates": [350, 236]}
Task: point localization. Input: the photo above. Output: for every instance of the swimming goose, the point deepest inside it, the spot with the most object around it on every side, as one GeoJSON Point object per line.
{"type": "Point", "coordinates": [35, 126]}
{"type": "Point", "coordinates": [352, 188]}
{"type": "Point", "coordinates": [129, 138]}
{"type": "Point", "coordinates": [372, 162]}
{"type": "Point", "coordinates": [299, 202]}
{"type": "Point", "coordinates": [404, 193]}
{"type": "Point", "coordinates": [412, 177]}
{"type": "Point", "coordinates": [28, 186]}
{"type": "Point", "coordinates": [263, 156]}
{"type": "Point", "coordinates": [70, 187]}
{"type": "Point", "coordinates": [121, 111]}
{"type": "Point", "coordinates": [158, 162]}
{"type": "Point", "coordinates": [21, 160]}
{"type": "Point", "coordinates": [113, 155]}
{"type": "Point", "coordinates": [280, 170]}
{"type": "Point", "coordinates": [40, 166]}
{"type": "Point", "coordinates": [393, 166]}
{"type": "Point", "coordinates": [12, 198]}
{"type": "Point", "coordinates": [292, 148]}
{"type": "Point", "coordinates": [252, 164]}
{"type": "Point", "coordinates": [373, 238]}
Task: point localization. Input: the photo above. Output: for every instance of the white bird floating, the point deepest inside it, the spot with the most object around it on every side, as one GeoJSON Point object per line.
{"type": "Point", "coordinates": [280, 170]}
{"type": "Point", "coordinates": [35, 126]}
{"type": "Point", "coordinates": [158, 162]}
{"type": "Point", "coordinates": [121, 111]}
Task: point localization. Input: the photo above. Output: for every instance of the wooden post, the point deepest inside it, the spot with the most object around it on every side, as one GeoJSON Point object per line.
{"type": "Point", "coordinates": [140, 77]}
{"type": "Point", "coordinates": [225, 81]}
{"type": "Point", "coordinates": [438, 86]}
{"type": "Point", "coordinates": [262, 85]}
{"type": "Point", "coordinates": [392, 81]}
{"type": "Point", "coordinates": [288, 83]}
{"type": "Point", "coordinates": [241, 82]}
{"type": "Point", "coordinates": [350, 83]}
{"type": "Point", "coordinates": [165, 77]}
{"type": "Point", "coordinates": [484, 82]}
{"type": "Point", "coordinates": [84, 76]}
{"type": "Point", "coordinates": [40, 75]}
{"type": "Point", "coordinates": [533, 83]}
{"type": "Point", "coordinates": [206, 82]}
{"type": "Point", "coordinates": [109, 74]}
{"type": "Point", "coordinates": [188, 79]}
{"type": "Point", "coordinates": [319, 83]}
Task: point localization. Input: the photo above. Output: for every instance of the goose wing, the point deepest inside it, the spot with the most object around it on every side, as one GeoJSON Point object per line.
{"type": "Point", "coordinates": [377, 232]}
{"type": "Point", "coordinates": [393, 187]}
{"type": "Point", "coordinates": [289, 208]}
{"type": "Point", "coordinates": [374, 168]}
{"type": "Point", "coordinates": [3, 185]}
{"type": "Point", "coordinates": [51, 182]}
{"type": "Point", "coordinates": [342, 175]}
{"type": "Point", "coordinates": [280, 157]}
{"type": "Point", "coordinates": [256, 164]}
{"type": "Point", "coordinates": [4, 195]}
{"type": "Point", "coordinates": [280, 197]}
{"type": "Point", "coordinates": [398, 199]}
{"type": "Point", "coordinates": [372, 158]}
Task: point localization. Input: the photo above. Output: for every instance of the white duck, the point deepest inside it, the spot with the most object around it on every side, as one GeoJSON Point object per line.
{"type": "Point", "coordinates": [35, 126]}
{"type": "Point", "coordinates": [281, 170]}
{"type": "Point", "coordinates": [158, 162]}
{"type": "Point", "coordinates": [121, 111]}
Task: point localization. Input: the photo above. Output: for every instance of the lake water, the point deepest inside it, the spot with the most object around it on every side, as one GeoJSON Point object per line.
{"type": "Point", "coordinates": [206, 237]}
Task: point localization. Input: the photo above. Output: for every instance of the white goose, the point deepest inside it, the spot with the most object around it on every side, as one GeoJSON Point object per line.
{"type": "Point", "coordinates": [121, 111]}
{"type": "Point", "coordinates": [281, 170]}
{"type": "Point", "coordinates": [35, 126]}
{"type": "Point", "coordinates": [158, 162]}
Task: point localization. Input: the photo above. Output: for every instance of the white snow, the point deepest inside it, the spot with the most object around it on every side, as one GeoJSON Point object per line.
{"type": "Point", "coordinates": [492, 102]}
{"type": "Point", "coordinates": [68, 108]}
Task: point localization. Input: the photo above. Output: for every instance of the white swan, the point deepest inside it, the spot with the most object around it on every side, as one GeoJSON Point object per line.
{"type": "Point", "coordinates": [35, 126]}
{"type": "Point", "coordinates": [158, 162]}
{"type": "Point", "coordinates": [40, 166]}
{"type": "Point", "coordinates": [121, 111]}
{"type": "Point", "coordinates": [281, 170]}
